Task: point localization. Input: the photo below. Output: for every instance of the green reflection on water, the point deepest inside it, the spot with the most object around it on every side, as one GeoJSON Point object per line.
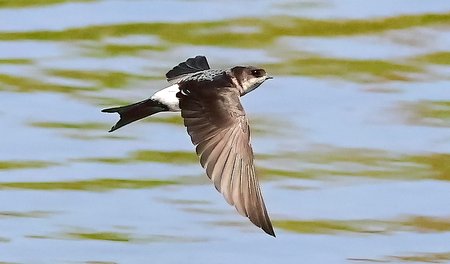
{"type": "Point", "coordinates": [264, 172]}
{"type": "Point", "coordinates": [428, 113]}
{"type": "Point", "coordinates": [442, 57]}
{"type": "Point", "coordinates": [329, 162]}
{"type": "Point", "coordinates": [110, 236]}
{"type": "Point", "coordinates": [356, 70]}
{"type": "Point", "coordinates": [27, 84]}
{"type": "Point", "coordinates": [429, 258]}
{"type": "Point", "coordinates": [16, 61]}
{"type": "Point", "coordinates": [24, 164]}
{"type": "Point", "coordinates": [117, 236]}
{"type": "Point", "coordinates": [410, 173]}
{"type": "Point", "coordinates": [410, 224]}
{"type": "Point", "coordinates": [173, 119]}
{"type": "Point", "coordinates": [4, 240]}
{"type": "Point", "coordinates": [109, 50]}
{"type": "Point", "coordinates": [438, 164]}
{"type": "Point", "coordinates": [30, 214]}
{"type": "Point", "coordinates": [100, 262]}
{"type": "Point", "coordinates": [129, 237]}
{"type": "Point", "coordinates": [30, 3]}
{"type": "Point", "coordinates": [64, 125]}
{"type": "Point", "coordinates": [318, 226]}
{"type": "Point", "coordinates": [102, 78]}
{"type": "Point", "coordinates": [222, 32]}
{"type": "Point", "coordinates": [88, 185]}
{"type": "Point", "coordinates": [443, 257]}
{"type": "Point", "coordinates": [173, 157]}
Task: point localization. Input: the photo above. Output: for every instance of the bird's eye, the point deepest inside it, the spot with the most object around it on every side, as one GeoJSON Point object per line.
{"type": "Point", "coordinates": [258, 73]}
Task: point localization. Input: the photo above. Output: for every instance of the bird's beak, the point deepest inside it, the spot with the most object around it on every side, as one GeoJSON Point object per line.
{"type": "Point", "coordinates": [269, 77]}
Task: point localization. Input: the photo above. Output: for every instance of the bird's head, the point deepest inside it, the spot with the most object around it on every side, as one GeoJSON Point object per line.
{"type": "Point", "coordinates": [249, 77]}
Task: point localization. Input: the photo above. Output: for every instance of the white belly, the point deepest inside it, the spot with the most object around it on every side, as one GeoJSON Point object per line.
{"type": "Point", "coordinates": [168, 97]}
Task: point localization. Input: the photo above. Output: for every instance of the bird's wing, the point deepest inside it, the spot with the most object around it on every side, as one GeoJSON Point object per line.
{"type": "Point", "coordinates": [191, 65]}
{"type": "Point", "coordinates": [217, 124]}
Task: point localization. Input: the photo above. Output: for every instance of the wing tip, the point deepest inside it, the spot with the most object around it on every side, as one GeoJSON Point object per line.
{"type": "Point", "coordinates": [269, 230]}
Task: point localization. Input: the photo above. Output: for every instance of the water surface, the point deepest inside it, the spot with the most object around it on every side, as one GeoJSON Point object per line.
{"type": "Point", "coordinates": [351, 138]}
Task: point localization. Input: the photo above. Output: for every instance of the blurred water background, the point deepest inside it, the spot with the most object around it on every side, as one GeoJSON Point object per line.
{"type": "Point", "coordinates": [352, 136]}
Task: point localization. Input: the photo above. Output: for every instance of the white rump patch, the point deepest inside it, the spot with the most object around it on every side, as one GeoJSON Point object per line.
{"type": "Point", "coordinates": [168, 97]}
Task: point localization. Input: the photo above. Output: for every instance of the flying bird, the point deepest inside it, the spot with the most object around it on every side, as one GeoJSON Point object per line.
{"type": "Point", "coordinates": [209, 102]}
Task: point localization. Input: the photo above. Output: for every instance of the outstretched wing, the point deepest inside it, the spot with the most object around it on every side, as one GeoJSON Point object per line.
{"type": "Point", "coordinates": [217, 124]}
{"type": "Point", "coordinates": [191, 65]}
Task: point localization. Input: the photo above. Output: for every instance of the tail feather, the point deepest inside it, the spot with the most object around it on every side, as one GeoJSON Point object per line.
{"type": "Point", "coordinates": [134, 112]}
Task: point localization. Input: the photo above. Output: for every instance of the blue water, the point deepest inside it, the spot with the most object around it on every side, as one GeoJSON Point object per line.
{"type": "Point", "coordinates": [329, 147]}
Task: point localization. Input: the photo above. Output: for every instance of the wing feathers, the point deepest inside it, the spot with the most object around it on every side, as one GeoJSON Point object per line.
{"type": "Point", "coordinates": [218, 127]}
{"type": "Point", "coordinates": [236, 195]}
{"type": "Point", "coordinates": [191, 65]}
{"type": "Point", "coordinates": [219, 157]}
{"type": "Point", "coordinates": [227, 182]}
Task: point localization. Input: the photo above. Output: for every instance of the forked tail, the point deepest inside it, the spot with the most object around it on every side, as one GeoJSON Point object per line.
{"type": "Point", "coordinates": [134, 112]}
